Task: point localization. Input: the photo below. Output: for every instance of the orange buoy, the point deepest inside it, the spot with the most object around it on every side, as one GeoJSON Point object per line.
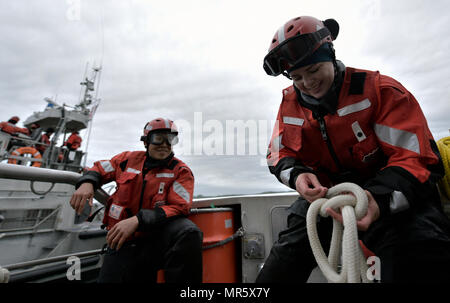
{"type": "Point", "coordinates": [21, 151]}
{"type": "Point", "coordinates": [219, 261]}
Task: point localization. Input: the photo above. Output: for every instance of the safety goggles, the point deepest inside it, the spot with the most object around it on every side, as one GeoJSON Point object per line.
{"type": "Point", "coordinates": [292, 51]}
{"type": "Point", "coordinates": [160, 138]}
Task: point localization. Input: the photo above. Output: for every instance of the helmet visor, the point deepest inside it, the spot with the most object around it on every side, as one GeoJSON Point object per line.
{"type": "Point", "coordinates": [160, 138]}
{"type": "Point", "coordinates": [292, 51]}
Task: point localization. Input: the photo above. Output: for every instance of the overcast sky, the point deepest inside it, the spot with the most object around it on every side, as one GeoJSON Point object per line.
{"type": "Point", "coordinates": [203, 59]}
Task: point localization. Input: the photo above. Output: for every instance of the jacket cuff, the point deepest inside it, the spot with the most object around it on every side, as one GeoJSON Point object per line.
{"type": "Point", "coordinates": [92, 177]}
{"type": "Point", "coordinates": [296, 171]}
{"type": "Point", "coordinates": [149, 218]}
{"type": "Point", "coordinates": [383, 201]}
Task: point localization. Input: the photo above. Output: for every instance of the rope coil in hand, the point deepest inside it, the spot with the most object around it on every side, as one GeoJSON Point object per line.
{"type": "Point", "coordinates": [354, 267]}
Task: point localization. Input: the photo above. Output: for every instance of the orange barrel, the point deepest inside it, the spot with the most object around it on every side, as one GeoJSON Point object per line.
{"type": "Point", "coordinates": [219, 262]}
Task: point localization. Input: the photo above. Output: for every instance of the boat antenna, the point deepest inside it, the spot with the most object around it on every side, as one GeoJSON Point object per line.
{"type": "Point", "coordinates": [103, 39]}
{"type": "Point", "coordinates": [97, 71]}
{"type": "Point", "coordinates": [84, 77]}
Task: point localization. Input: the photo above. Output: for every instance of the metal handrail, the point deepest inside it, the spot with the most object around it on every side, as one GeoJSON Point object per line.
{"type": "Point", "coordinates": [52, 259]}
{"type": "Point", "coordinates": [29, 173]}
{"type": "Point", "coordinates": [20, 172]}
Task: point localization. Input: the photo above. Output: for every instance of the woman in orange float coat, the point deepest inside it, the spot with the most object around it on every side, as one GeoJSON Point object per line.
{"type": "Point", "coordinates": [340, 124]}
{"type": "Point", "coordinates": [146, 216]}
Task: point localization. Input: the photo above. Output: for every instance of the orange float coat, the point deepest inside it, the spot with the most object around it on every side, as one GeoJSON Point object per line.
{"type": "Point", "coordinates": [73, 142]}
{"type": "Point", "coordinates": [167, 189]}
{"type": "Point", "coordinates": [12, 129]}
{"type": "Point", "coordinates": [377, 137]}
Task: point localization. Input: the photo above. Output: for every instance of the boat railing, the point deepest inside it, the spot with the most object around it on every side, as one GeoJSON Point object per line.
{"type": "Point", "coordinates": [52, 259]}
{"type": "Point", "coordinates": [54, 157]}
{"type": "Point", "coordinates": [28, 173]}
{"type": "Point", "coordinates": [36, 174]}
{"type": "Point", "coordinates": [51, 267]}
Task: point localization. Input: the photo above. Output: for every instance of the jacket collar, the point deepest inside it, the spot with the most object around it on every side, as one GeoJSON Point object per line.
{"type": "Point", "coordinates": [153, 163]}
{"type": "Point", "coordinates": [328, 103]}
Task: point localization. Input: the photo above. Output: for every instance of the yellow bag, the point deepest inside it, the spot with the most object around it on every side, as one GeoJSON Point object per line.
{"type": "Point", "coordinates": [444, 149]}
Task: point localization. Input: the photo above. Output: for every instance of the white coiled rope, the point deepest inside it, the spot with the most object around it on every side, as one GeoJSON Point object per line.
{"type": "Point", "coordinates": [354, 267]}
{"type": "Point", "coordinates": [4, 275]}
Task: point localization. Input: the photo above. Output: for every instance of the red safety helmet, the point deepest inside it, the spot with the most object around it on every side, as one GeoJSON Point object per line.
{"type": "Point", "coordinates": [296, 40]}
{"type": "Point", "coordinates": [15, 118]}
{"type": "Point", "coordinates": [159, 124]}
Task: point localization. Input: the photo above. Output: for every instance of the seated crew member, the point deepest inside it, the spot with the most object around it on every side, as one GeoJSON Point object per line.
{"type": "Point", "coordinates": [146, 216]}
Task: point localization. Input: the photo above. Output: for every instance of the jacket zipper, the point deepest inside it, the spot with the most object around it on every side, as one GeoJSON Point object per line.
{"type": "Point", "coordinates": [323, 131]}
{"type": "Point", "coordinates": [141, 200]}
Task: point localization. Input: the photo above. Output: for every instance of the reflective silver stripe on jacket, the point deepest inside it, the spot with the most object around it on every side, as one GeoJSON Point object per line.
{"type": "Point", "coordinates": [397, 137]}
{"type": "Point", "coordinates": [285, 175]}
{"type": "Point", "coordinates": [398, 202]}
{"type": "Point", "coordinates": [181, 191]}
{"type": "Point", "coordinates": [293, 121]}
{"type": "Point", "coordinates": [165, 175]}
{"type": "Point", "coordinates": [276, 144]}
{"type": "Point", "coordinates": [353, 108]}
{"type": "Point", "coordinates": [132, 170]}
{"type": "Point", "coordinates": [107, 167]}
{"type": "Point", "coordinates": [271, 159]}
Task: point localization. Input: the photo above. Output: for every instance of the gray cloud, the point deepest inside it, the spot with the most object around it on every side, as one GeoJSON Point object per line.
{"type": "Point", "coordinates": [176, 58]}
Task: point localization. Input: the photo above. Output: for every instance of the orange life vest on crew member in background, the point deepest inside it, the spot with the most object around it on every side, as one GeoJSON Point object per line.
{"type": "Point", "coordinates": [12, 129]}
{"type": "Point", "coordinates": [74, 141]}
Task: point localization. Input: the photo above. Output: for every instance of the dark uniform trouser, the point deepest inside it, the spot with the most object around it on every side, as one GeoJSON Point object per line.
{"type": "Point", "coordinates": [291, 259]}
{"type": "Point", "coordinates": [175, 247]}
